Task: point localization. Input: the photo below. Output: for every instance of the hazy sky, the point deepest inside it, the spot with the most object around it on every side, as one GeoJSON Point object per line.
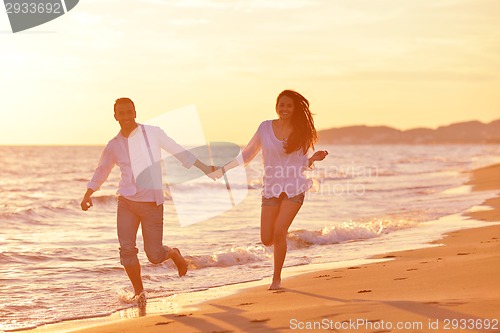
{"type": "Point", "coordinates": [400, 63]}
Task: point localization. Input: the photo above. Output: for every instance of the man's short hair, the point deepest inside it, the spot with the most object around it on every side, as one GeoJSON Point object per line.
{"type": "Point", "coordinates": [123, 100]}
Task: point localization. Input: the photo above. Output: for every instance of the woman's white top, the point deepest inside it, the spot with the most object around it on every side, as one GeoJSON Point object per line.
{"type": "Point", "coordinates": [282, 172]}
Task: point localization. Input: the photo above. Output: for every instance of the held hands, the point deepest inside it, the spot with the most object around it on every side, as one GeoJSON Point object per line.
{"type": "Point", "coordinates": [209, 170]}
{"type": "Point", "coordinates": [213, 172]}
{"type": "Point", "coordinates": [217, 173]}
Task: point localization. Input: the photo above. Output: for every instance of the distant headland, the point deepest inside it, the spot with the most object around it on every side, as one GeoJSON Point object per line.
{"type": "Point", "coordinates": [470, 132]}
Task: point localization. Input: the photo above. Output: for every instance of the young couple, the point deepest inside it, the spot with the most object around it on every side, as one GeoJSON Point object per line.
{"type": "Point", "coordinates": [284, 142]}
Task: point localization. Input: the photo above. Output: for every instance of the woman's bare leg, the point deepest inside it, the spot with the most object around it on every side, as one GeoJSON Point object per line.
{"type": "Point", "coordinates": [267, 221]}
{"type": "Point", "coordinates": [275, 222]}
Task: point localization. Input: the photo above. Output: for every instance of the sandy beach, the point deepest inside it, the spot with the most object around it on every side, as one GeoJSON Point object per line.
{"type": "Point", "coordinates": [451, 287]}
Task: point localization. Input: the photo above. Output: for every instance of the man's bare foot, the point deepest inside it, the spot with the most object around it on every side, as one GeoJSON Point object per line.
{"type": "Point", "coordinates": [178, 260]}
{"type": "Point", "coordinates": [275, 285]}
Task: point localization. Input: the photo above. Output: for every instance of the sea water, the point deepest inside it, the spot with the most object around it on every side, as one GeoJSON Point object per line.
{"type": "Point", "coordinates": [58, 262]}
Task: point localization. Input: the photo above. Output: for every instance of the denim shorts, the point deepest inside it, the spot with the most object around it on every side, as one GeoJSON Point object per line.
{"type": "Point", "coordinates": [275, 202]}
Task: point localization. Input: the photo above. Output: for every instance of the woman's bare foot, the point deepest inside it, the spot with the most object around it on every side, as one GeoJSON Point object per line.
{"type": "Point", "coordinates": [178, 260]}
{"type": "Point", "coordinates": [275, 285]}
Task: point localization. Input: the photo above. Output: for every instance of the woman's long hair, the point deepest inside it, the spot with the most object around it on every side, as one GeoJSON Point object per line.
{"type": "Point", "coordinates": [303, 135]}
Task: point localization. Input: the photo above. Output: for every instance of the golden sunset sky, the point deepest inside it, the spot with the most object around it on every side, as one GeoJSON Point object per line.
{"type": "Point", "coordinates": [402, 63]}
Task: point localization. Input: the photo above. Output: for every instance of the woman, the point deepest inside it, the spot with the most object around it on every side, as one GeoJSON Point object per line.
{"type": "Point", "coordinates": [284, 142]}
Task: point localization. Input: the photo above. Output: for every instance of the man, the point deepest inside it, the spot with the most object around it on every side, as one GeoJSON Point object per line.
{"type": "Point", "coordinates": [136, 149]}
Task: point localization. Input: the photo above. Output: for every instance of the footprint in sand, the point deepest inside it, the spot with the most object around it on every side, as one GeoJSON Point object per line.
{"type": "Point", "coordinates": [364, 291]}
{"type": "Point", "coordinates": [400, 278]}
{"type": "Point", "coordinates": [492, 240]}
{"type": "Point", "coordinates": [259, 320]}
{"type": "Point", "coordinates": [322, 276]}
{"type": "Point", "coordinates": [244, 304]}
